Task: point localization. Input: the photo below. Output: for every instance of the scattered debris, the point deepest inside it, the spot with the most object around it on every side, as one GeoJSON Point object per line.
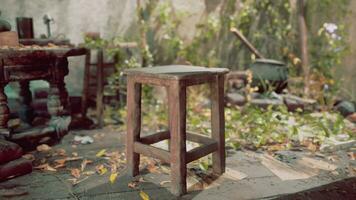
{"type": "Point", "coordinates": [113, 177]}
{"type": "Point", "coordinates": [101, 169]}
{"type": "Point", "coordinates": [132, 184]}
{"type": "Point", "coordinates": [75, 172]}
{"type": "Point", "coordinates": [45, 167]}
{"type": "Point", "coordinates": [164, 182]}
{"type": "Point", "coordinates": [101, 153]}
{"type": "Point", "coordinates": [29, 156]}
{"type": "Point", "coordinates": [144, 196]}
{"type": "Point", "coordinates": [43, 148]}
{"type": "Point", "coordinates": [332, 144]}
{"type": "Point", "coordinates": [83, 139]}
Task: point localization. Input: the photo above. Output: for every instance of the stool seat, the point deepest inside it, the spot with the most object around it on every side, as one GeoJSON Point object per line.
{"type": "Point", "coordinates": [176, 78]}
{"type": "Point", "coordinates": [175, 71]}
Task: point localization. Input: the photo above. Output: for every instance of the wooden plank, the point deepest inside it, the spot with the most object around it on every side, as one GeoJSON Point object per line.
{"type": "Point", "coordinates": [207, 78]}
{"type": "Point", "coordinates": [218, 123]}
{"type": "Point", "coordinates": [133, 124]}
{"type": "Point", "coordinates": [198, 138]}
{"type": "Point", "coordinates": [201, 151]}
{"type": "Point", "coordinates": [177, 123]}
{"type": "Point", "coordinates": [151, 151]}
{"type": "Point", "coordinates": [156, 137]}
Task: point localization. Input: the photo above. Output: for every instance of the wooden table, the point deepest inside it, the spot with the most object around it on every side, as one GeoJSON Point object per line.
{"type": "Point", "coordinates": [26, 64]}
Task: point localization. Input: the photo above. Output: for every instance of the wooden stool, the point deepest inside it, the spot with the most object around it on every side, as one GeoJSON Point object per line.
{"type": "Point", "coordinates": [175, 78]}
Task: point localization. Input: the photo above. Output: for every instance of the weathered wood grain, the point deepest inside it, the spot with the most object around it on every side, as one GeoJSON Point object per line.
{"type": "Point", "coordinates": [133, 124]}
{"type": "Point", "coordinates": [218, 123]}
{"type": "Point", "coordinates": [177, 123]}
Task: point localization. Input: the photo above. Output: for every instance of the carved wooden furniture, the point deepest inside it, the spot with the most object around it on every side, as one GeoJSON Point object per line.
{"type": "Point", "coordinates": [176, 78]}
{"type": "Point", "coordinates": [25, 64]}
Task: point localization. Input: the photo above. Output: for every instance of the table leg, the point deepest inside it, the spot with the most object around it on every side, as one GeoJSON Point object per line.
{"type": "Point", "coordinates": [218, 123]}
{"type": "Point", "coordinates": [133, 125]}
{"type": "Point", "coordinates": [4, 112]}
{"type": "Point", "coordinates": [58, 97]}
{"type": "Point", "coordinates": [85, 93]}
{"type": "Point", "coordinates": [177, 124]}
{"type": "Point", "coordinates": [26, 113]}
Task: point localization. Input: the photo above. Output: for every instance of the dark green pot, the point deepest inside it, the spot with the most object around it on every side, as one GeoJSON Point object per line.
{"type": "Point", "coordinates": [267, 73]}
{"type": "Point", "coordinates": [4, 25]}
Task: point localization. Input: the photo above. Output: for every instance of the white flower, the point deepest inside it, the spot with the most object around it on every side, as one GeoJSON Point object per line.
{"type": "Point", "coordinates": [330, 27]}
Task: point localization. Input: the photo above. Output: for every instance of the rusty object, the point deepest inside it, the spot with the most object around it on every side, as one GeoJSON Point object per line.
{"type": "Point", "coordinates": [24, 27]}
{"type": "Point", "coordinates": [175, 79]}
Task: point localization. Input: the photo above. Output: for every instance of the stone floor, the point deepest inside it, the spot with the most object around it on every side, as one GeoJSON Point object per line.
{"type": "Point", "coordinates": [258, 181]}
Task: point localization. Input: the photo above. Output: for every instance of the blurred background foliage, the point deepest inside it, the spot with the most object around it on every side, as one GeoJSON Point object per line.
{"type": "Point", "coordinates": [272, 26]}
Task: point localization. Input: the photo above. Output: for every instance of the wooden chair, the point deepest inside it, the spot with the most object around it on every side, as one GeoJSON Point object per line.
{"type": "Point", "coordinates": [176, 78]}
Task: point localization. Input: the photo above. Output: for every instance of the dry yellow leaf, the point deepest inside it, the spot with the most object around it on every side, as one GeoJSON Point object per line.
{"type": "Point", "coordinates": [101, 169]}
{"type": "Point", "coordinates": [101, 153]}
{"type": "Point", "coordinates": [144, 196]}
{"type": "Point", "coordinates": [113, 177]}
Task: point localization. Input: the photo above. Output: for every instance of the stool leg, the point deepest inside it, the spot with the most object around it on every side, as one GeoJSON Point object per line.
{"type": "Point", "coordinates": [133, 125]}
{"type": "Point", "coordinates": [177, 124]}
{"type": "Point", "coordinates": [218, 123]}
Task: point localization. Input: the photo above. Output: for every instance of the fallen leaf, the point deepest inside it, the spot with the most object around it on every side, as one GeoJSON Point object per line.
{"type": "Point", "coordinates": [43, 148]}
{"type": "Point", "coordinates": [59, 166]}
{"type": "Point", "coordinates": [88, 173]}
{"type": "Point", "coordinates": [84, 164]}
{"type": "Point", "coordinates": [101, 153]}
{"type": "Point", "coordinates": [352, 155]}
{"type": "Point", "coordinates": [101, 169]}
{"type": "Point", "coordinates": [45, 167]}
{"type": "Point", "coordinates": [29, 157]}
{"type": "Point", "coordinates": [75, 154]}
{"type": "Point", "coordinates": [113, 177]}
{"type": "Point", "coordinates": [132, 185]}
{"type": "Point", "coordinates": [61, 152]}
{"type": "Point", "coordinates": [144, 196]}
{"type": "Point", "coordinates": [75, 172]}
{"type": "Point", "coordinates": [152, 168]}
{"type": "Point", "coordinates": [60, 161]}
{"type": "Point", "coordinates": [164, 182]}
